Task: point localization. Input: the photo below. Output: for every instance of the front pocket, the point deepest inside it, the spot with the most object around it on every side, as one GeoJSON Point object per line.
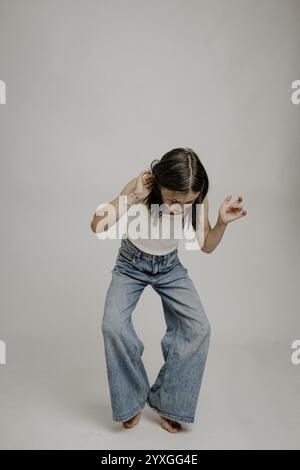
{"type": "Point", "coordinates": [171, 259]}
{"type": "Point", "coordinates": [126, 255]}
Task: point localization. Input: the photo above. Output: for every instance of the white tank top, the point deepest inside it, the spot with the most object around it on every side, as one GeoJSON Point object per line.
{"type": "Point", "coordinates": [155, 235]}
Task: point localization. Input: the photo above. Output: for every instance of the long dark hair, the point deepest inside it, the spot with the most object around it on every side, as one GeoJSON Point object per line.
{"type": "Point", "coordinates": [181, 170]}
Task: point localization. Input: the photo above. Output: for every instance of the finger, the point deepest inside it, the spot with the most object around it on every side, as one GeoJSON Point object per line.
{"type": "Point", "coordinates": [228, 197]}
{"type": "Point", "coordinates": [147, 179]}
{"type": "Point", "coordinates": [241, 213]}
{"type": "Point", "coordinates": [235, 205]}
{"type": "Point", "coordinates": [238, 200]}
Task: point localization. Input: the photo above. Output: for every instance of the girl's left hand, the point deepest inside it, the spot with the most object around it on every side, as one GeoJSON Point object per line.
{"type": "Point", "coordinates": [230, 211]}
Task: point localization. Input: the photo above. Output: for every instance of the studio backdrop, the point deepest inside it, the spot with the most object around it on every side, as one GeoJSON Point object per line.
{"type": "Point", "coordinates": [91, 92]}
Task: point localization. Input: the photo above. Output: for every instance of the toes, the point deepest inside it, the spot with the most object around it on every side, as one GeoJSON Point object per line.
{"type": "Point", "coordinates": [132, 421]}
{"type": "Point", "coordinates": [169, 428]}
{"type": "Point", "coordinates": [169, 425]}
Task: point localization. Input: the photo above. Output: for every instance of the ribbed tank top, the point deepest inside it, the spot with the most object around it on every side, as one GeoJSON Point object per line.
{"type": "Point", "coordinates": [155, 235]}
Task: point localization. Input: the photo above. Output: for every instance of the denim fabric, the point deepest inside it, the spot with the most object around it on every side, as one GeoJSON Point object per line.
{"type": "Point", "coordinates": [184, 346]}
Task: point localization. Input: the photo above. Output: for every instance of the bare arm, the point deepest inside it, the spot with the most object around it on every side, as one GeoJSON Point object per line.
{"type": "Point", "coordinates": [228, 212]}
{"type": "Point", "coordinates": [208, 238]}
{"type": "Point", "coordinates": [133, 192]}
{"type": "Point", "coordinates": [108, 215]}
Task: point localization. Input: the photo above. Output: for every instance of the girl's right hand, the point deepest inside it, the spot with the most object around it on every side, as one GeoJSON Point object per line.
{"type": "Point", "coordinates": [144, 184]}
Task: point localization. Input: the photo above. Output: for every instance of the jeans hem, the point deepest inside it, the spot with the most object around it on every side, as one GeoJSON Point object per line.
{"type": "Point", "coordinates": [185, 419]}
{"type": "Point", "coordinates": [131, 414]}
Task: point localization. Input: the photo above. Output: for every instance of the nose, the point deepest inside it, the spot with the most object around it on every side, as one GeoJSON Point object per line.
{"type": "Point", "coordinates": [176, 207]}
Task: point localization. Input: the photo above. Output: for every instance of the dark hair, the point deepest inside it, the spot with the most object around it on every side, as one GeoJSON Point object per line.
{"type": "Point", "coordinates": [179, 170]}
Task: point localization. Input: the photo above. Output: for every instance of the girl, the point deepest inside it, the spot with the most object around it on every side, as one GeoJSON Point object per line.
{"type": "Point", "coordinates": [173, 188]}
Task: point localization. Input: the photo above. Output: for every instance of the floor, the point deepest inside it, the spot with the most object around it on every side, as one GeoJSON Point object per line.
{"type": "Point", "coordinates": [249, 400]}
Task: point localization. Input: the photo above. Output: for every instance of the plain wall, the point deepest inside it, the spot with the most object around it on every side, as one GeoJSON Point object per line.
{"type": "Point", "coordinates": [95, 91]}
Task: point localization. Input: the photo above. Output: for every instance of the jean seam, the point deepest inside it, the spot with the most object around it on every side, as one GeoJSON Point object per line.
{"type": "Point", "coordinates": [162, 378]}
{"type": "Point", "coordinates": [186, 419]}
{"type": "Point", "coordinates": [125, 269]}
{"type": "Point", "coordinates": [131, 414]}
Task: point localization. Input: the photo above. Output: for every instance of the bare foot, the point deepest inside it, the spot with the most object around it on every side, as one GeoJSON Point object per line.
{"type": "Point", "coordinates": [170, 425]}
{"type": "Point", "coordinates": [132, 421]}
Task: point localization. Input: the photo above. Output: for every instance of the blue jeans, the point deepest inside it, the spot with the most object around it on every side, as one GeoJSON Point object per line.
{"type": "Point", "coordinates": [185, 344]}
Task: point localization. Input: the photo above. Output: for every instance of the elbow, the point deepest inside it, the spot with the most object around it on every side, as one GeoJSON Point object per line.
{"type": "Point", "coordinates": [93, 226]}
{"type": "Point", "coordinates": [205, 250]}
{"type": "Point", "coordinates": [97, 227]}
{"type": "Point", "coordinates": [203, 245]}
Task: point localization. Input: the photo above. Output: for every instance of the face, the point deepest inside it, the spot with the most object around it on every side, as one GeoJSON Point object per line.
{"type": "Point", "coordinates": [177, 201]}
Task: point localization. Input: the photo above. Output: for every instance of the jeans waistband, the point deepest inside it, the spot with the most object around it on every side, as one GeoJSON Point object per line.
{"type": "Point", "coordinates": [134, 249]}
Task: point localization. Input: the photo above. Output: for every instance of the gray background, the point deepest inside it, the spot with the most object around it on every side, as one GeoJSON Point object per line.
{"type": "Point", "coordinates": [95, 91]}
